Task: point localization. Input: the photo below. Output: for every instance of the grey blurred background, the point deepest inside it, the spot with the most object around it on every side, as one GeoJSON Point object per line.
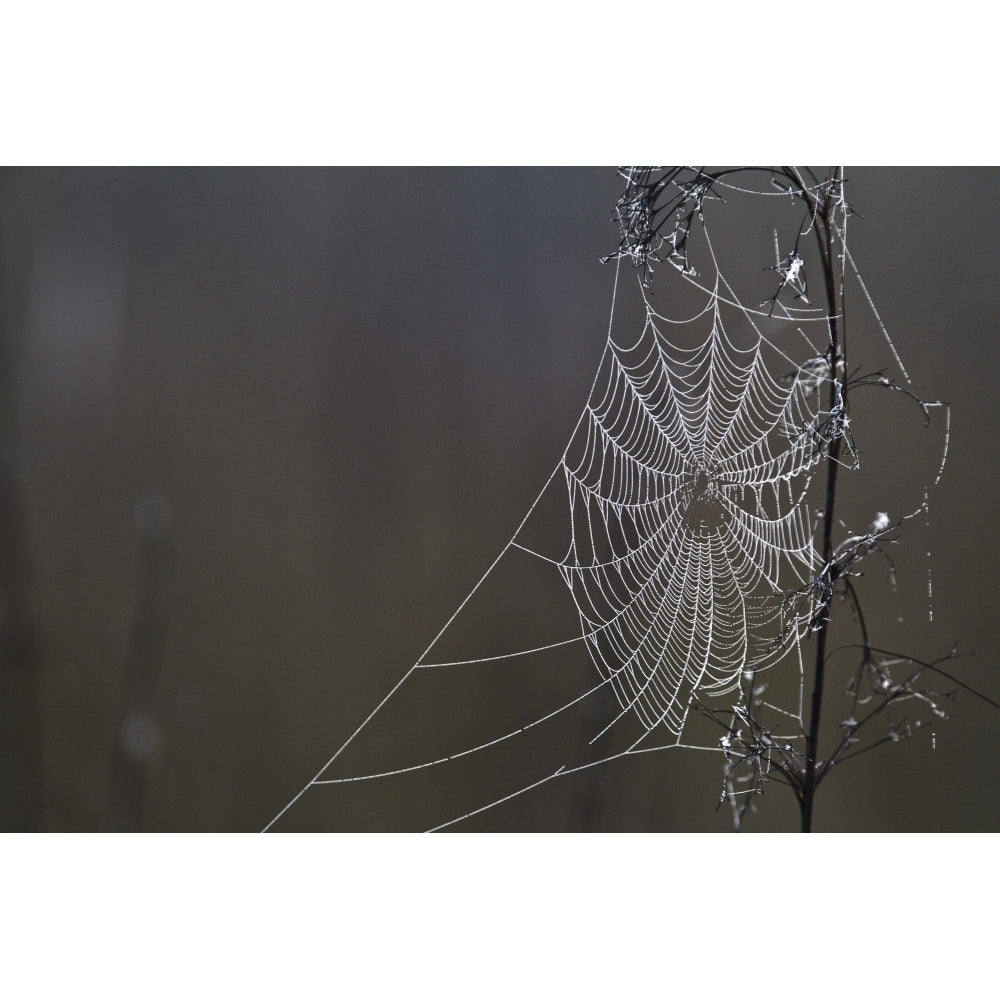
{"type": "Point", "coordinates": [262, 430]}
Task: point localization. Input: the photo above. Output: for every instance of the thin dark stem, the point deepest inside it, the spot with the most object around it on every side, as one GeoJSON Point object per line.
{"type": "Point", "coordinates": [826, 234]}
{"type": "Point", "coordinates": [812, 736]}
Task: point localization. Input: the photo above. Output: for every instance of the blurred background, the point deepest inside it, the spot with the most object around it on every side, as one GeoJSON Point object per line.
{"type": "Point", "coordinates": [262, 430]}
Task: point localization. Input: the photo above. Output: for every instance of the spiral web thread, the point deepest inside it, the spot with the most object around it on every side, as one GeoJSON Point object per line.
{"type": "Point", "coordinates": [686, 483]}
{"type": "Point", "coordinates": [691, 559]}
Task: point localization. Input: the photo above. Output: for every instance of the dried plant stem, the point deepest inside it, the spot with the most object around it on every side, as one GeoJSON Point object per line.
{"type": "Point", "coordinates": [827, 235]}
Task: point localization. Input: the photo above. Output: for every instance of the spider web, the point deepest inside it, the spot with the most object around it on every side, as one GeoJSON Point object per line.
{"type": "Point", "coordinates": [683, 504]}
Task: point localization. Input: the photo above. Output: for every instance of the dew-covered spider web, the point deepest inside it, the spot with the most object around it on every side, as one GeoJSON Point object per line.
{"type": "Point", "coordinates": [674, 546]}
